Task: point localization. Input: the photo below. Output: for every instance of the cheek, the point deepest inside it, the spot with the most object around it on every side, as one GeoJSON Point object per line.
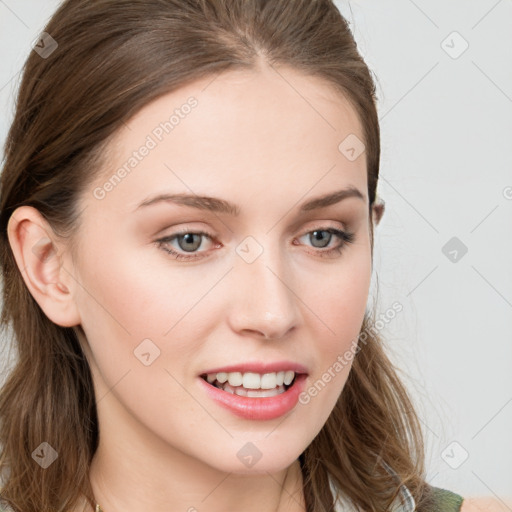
{"type": "Point", "coordinates": [341, 300]}
{"type": "Point", "coordinates": [341, 305]}
{"type": "Point", "coordinates": [135, 303]}
{"type": "Point", "coordinates": [142, 324]}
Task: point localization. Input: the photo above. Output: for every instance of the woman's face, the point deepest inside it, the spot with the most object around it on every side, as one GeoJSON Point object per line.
{"type": "Point", "coordinates": [266, 288]}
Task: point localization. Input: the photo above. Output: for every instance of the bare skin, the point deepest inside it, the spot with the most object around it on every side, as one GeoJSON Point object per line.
{"type": "Point", "coordinates": [255, 141]}
{"type": "Point", "coordinates": [486, 504]}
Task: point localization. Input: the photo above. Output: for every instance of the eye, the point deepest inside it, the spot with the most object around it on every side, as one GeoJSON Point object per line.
{"type": "Point", "coordinates": [324, 235]}
{"type": "Point", "coordinates": [190, 241]}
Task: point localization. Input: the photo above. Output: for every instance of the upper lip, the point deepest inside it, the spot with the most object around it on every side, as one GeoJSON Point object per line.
{"type": "Point", "coordinates": [259, 367]}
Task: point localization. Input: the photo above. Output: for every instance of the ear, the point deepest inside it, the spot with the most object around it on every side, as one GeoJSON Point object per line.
{"type": "Point", "coordinates": [40, 259]}
{"type": "Point", "coordinates": [378, 209]}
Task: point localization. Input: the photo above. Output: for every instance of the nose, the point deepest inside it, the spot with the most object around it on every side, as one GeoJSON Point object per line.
{"type": "Point", "coordinates": [264, 301]}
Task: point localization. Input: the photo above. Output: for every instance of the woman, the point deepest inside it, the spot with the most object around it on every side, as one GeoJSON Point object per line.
{"type": "Point", "coordinates": [241, 372]}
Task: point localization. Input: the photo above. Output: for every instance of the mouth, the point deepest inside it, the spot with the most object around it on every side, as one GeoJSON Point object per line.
{"type": "Point", "coordinates": [252, 384]}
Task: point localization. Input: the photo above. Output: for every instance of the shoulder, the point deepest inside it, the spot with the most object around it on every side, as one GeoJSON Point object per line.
{"type": "Point", "coordinates": [485, 505]}
{"type": "Point", "coordinates": [445, 500]}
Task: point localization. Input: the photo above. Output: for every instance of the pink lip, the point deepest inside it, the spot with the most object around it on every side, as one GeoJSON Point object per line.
{"type": "Point", "coordinates": [265, 408]}
{"type": "Point", "coordinates": [258, 367]}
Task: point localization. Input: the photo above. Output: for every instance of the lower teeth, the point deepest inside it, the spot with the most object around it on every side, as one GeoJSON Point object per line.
{"type": "Point", "coordinates": [252, 393]}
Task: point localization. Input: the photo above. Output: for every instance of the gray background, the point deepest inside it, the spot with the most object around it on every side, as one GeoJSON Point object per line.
{"type": "Point", "coordinates": [446, 171]}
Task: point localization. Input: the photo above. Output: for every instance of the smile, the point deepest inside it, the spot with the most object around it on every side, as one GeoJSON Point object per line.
{"type": "Point", "coordinates": [254, 396]}
{"type": "Point", "coordinates": [250, 384]}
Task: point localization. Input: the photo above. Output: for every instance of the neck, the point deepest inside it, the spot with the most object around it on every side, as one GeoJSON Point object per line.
{"type": "Point", "coordinates": [122, 488]}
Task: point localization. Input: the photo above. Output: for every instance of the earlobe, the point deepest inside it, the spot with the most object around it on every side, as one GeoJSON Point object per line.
{"type": "Point", "coordinates": [378, 210]}
{"type": "Point", "coordinates": [35, 249]}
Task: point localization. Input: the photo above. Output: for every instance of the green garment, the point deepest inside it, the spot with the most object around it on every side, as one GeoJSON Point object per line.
{"type": "Point", "coordinates": [446, 501]}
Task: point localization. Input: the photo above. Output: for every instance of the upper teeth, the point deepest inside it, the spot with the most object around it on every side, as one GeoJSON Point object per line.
{"type": "Point", "coordinates": [252, 380]}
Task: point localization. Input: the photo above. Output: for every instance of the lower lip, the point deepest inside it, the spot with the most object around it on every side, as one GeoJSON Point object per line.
{"type": "Point", "coordinates": [264, 408]}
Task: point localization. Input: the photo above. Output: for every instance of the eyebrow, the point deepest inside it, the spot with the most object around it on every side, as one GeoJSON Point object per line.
{"type": "Point", "coordinates": [214, 204]}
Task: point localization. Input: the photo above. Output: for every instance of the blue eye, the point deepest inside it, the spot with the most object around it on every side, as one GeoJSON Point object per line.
{"type": "Point", "coordinates": [344, 238]}
{"type": "Point", "coordinates": [189, 238]}
{"type": "Point", "coordinates": [190, 241]}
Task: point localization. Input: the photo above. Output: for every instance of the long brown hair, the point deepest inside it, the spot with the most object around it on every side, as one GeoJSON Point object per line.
{"type": "Point", "coordinates": [113, 58]}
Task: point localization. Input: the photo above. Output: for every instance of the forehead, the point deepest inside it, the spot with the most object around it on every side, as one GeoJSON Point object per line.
{"type": "Point", "coordinates": [245, 132]}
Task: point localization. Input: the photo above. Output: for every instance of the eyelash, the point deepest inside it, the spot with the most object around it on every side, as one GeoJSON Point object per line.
{"type": "Point", "coordinates": [344, 236]}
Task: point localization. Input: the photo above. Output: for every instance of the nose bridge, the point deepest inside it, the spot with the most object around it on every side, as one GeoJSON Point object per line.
{"type": "Point", "coordinates": [264, 300]}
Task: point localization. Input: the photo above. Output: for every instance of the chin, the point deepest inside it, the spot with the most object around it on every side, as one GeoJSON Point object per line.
{"type": "Point", "coordinates": [255, 457]}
